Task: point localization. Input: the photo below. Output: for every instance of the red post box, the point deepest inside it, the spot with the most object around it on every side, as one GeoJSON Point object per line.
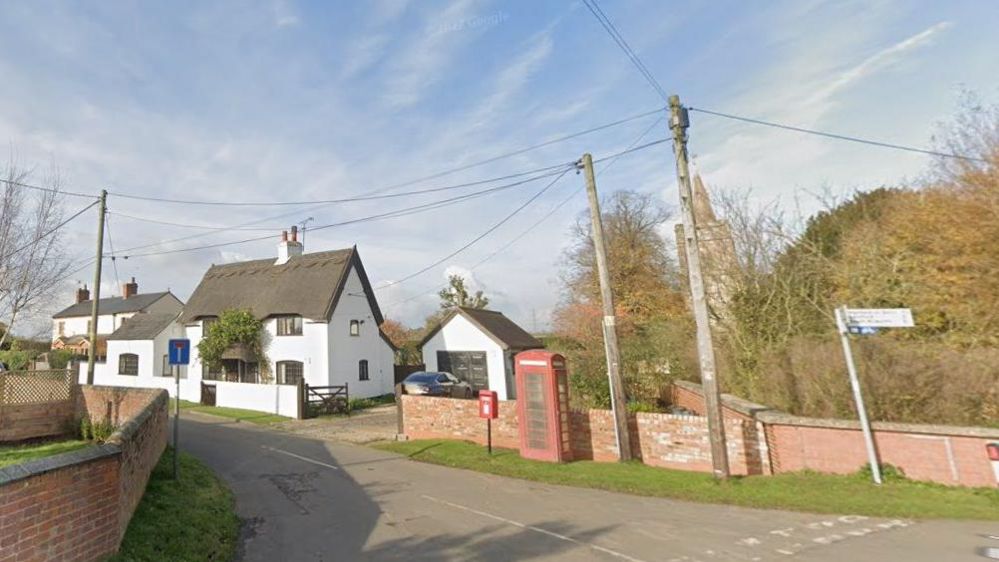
{"type": "Point", "coordinates": [488, 409]}
{"type": "Point", "coordinates": [543, 405]}
{"type": "Point", "coordinates": [488, 404]}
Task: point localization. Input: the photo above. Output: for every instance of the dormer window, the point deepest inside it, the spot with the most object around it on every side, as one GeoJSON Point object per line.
{"type": "Point", "coordinates": [355, 327]}
{"type": "Point", "coordinates": [289, 325]}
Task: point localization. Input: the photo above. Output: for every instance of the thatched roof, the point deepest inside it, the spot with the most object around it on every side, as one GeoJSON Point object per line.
{"type": "Point", "coordinates": [309, 285]}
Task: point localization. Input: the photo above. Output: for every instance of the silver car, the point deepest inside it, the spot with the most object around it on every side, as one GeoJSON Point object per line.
{"type": "Point", "coordinates": [436, 384]}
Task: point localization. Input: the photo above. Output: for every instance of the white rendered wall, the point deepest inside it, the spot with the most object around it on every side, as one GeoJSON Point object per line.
{"type": "Point", "coordinates": [309, 348]}
{"type": "Point", "coordinates": [280, 399]}
{"type": "Point", "coordinates": [346, 351]}
{"type": "Point", "coordinates": [458, 334]}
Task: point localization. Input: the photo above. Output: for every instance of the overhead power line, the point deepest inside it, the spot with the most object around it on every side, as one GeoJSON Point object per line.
{"type": "Point", "coordinates": [368, 197]}
{"type": "Point", "coordinates": [835, 135]}
{"type": "Point", "coordinates": [50, 231]}
{"type": "Point", "coordinates": [390, 214]}
{"type": "Point", "coordinates": [539, 222]}
{"type": "Point", "coordinates": [374, 193]}
{"type": "Point", "coordinates": [114, 260]}
{"type": "Point", "coordinates": [48, 189]}
{"type": "Point", "coordinates": [611, 30]}
{"type": "Point", "coordinates": [477, 238]}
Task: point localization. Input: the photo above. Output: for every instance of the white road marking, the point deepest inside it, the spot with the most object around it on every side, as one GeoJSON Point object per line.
{"type": "Point", "coordinates": [300, 457]}
{"type": "Point", "coordinates": [990, 552]}
{"type": "Point", "coordinates": [533, 528]}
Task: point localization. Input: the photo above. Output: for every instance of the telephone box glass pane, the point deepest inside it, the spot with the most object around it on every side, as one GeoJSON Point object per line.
{"type": "Point", "coordinates": [536, 411]}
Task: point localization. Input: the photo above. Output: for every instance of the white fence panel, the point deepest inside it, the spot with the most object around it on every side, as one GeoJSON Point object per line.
{"type": "Point", "coordinates": [280, 399]}
{"type": "Point", "coordinates": [104, 376]}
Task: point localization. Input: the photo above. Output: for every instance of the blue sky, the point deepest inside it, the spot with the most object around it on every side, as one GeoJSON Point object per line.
{"type": "Point", "coordinates": [264, 101]}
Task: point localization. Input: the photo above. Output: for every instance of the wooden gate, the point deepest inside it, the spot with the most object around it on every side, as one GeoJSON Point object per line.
{"type": "Point", "coordinates": [321, 400]}
{"type": "Point", "coordinates": [208, 394]}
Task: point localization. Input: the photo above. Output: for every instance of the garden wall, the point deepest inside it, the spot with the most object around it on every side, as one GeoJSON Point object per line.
{"type": "Point", "coordinates": [657, 439]}
{"type": "Point", "coordinates": [35, 404]}
{"type": "Point", "coordinates": [938, 453]}
{"type": "Point", "coordinates": [76, 506]}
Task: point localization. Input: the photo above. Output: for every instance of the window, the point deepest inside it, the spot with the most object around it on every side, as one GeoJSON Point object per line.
{"type": "Point", "coordinates": [289, 325]}
{"type": "Point", "coordinates": [210, 374]}
{"type": "Point", "coordinates": [362, 369]}
{"type": "Point", "coordinates": [128, 364]}
{"type": "Point", "coordinates": [289, 372]}
{"type": "Point", "coordinates": [206, 323]}
{"type": "Point", "coordinates": [62, 329]}
{"type": "Point", "coordinates": [355, 327]}
{"type": "Point", "coordinates": [166, 365]}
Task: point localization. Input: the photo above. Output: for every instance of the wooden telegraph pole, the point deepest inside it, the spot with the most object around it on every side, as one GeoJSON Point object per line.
{"type": "Point", "coordinates": [678, 124]}
{"type": "Point", "coordinates": [618, 404]}
{"type": "Point", "coordinates": [95, 307]}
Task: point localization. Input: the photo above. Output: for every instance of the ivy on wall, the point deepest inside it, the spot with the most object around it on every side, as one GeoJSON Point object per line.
{"type": "Point", "coordinates": [234, 327]}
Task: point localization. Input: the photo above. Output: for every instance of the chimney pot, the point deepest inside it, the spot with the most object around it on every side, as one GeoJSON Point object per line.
{"type": "Point", "coordinates": [284, 235]}
{"type": "Point", "coordinates": [294, 234]}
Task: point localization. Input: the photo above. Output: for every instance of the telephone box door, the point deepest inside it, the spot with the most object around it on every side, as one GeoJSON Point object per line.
{"type": "Point", "coordinates": [542, 405]}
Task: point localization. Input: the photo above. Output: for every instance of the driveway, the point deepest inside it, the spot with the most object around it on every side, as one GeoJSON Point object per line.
{"type": "Point", "coordinates": [308, 500]}
{"type": "Point", "coordinates": [363, 426]}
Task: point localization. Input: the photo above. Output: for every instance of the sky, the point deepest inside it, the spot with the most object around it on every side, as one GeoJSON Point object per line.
{"type": "Point", "coordinates": [295, 101]}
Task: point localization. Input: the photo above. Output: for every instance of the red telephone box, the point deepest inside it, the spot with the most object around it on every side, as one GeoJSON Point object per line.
{"type": "Point", "coordinates": [543, 405]}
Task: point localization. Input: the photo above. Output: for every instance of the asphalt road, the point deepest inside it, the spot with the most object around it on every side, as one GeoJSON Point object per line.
{"type": "Point", "coordinates": [311, 500]}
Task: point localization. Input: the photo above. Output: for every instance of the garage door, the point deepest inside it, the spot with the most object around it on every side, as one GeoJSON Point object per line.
{"type": "Point", "coordinates": [469, 366]}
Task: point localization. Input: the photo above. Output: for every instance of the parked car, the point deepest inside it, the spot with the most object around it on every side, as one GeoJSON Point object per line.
{"type": "Point", "coordinates": [3, 367]}
{"type": "Point", "coordinates": [436, 384]}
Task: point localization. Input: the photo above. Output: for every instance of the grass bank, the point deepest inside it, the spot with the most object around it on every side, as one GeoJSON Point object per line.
{"type": "Point", "coordinates": [238, 414]}
{"type": "Point", "coordinates": [805, 491]}
{"type": "Point", "coordinates": [193, 519]}
{"type": "Point", "coordinates": [16, 454]}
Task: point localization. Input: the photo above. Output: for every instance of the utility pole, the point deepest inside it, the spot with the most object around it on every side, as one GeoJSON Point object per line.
{"type": "Point", "coordinates": [619, 406]}
{"type": "Point", "coordinates": [678, 123]}
{"type": "Point", "coordinates": [95, 307]}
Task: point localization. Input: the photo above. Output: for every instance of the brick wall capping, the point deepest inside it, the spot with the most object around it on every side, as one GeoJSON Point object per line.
{"type": "Point", "coordinates": [770, 416]}
{"type": "Point", "coordinates": [28, 469]}
{"type": "Point", "coordinates": [779, 418]}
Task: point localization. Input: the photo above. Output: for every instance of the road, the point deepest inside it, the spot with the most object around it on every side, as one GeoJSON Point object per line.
{"type": "Point", "coordinates": [309, 500]}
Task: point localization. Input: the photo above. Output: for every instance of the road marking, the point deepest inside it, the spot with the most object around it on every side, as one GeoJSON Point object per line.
{"type": "Point", "coordinates": [299, 457]}
{"type": "Point", "coordinates": [533, 528]}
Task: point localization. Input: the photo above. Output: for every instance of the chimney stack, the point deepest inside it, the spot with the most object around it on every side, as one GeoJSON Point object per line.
{"type": "Point", "coordinates": [130, 289]}
{"type": "Point", "coordinates": [288, 249]}
{"type": "Point", "coordinates": [82, 295]}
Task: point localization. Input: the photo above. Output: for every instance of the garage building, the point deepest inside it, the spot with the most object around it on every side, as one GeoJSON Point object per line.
{"type": "Point", "coordinates": [478, 346]}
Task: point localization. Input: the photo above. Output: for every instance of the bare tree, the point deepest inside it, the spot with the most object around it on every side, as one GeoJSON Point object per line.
{"type": "Point", "coordinates": [32, 257]}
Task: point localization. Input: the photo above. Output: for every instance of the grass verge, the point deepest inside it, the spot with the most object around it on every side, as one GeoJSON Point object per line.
{"type": "Point", "coordinates": [193, 519]}
{"type": "Point", "coordinates": [804, 491]}
{"type": "Point", "coordinates": [238, 414]}
{"type": "Point", "coordinates": [16, 454]}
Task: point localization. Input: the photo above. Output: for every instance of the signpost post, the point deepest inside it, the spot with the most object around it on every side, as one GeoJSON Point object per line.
{"type": "Point", "coordinates": [179, 352]}
{"type": "Point", "coordinates": [865, 321]}
{"type": "Point", "coordinates": [489, 409]}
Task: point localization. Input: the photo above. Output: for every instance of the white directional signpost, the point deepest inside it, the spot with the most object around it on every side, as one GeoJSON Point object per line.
{"type": "Point", "coordinates": [866, 321]}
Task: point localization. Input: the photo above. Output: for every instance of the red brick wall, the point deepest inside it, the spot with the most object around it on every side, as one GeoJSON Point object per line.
{"type": "Point", "coordinates": [28, 421]}
{"type": "Point", "coordinates": [657, 439]}
{"type": "Point", "coordinates": [948, 459]}
{"type": "Point", "coordinates": [67, 514]}
{"type": "Point", "coordinates": [427, 417]}
{"type": "Point", "coordinates": [142, 419]}
{"type": "Point", "coordinates": [949, 455]}
{"type": "Point", "coordinates": [76, 506]}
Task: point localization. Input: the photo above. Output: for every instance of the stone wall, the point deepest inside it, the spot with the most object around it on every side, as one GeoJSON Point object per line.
{"type": "Point", "coordinates": [77, 505]}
